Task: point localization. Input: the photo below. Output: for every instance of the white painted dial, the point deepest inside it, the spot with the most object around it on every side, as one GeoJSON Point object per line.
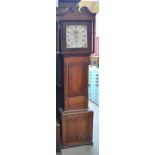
{"type": "Point", "coordinates": [76, 36]}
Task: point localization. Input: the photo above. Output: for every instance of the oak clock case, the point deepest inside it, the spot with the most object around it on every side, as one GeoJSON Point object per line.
{"type": "Point", "coordinates": [75, 36]}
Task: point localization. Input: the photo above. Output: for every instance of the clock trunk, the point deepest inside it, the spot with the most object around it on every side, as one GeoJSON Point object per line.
{"type": "Point", "coordinates": [75, 83]}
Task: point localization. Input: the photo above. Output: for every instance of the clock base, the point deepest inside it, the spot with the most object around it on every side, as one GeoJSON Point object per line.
{"type": "Point", "coordinates": [76, 127]}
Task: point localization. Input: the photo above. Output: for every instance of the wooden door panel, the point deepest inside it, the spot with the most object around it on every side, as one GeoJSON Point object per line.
{"type": "Point", "coordinates": [76, 83]}
{"type": "Point", "coordinates": [78, 79]}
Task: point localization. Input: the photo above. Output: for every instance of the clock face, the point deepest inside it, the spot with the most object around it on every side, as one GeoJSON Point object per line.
{"type": "Point", "coordinates": [76, 36]}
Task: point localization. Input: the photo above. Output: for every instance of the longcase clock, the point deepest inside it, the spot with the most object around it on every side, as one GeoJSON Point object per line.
{"type": "Point", "coordinates": [75, 43]}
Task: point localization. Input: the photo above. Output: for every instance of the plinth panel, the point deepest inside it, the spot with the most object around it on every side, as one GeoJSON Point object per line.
{"type": "Point", "coordinates": [77, 128]}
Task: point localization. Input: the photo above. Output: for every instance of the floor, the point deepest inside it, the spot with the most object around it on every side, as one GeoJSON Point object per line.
{"type": "Point", "coordinates": [87, 149]}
